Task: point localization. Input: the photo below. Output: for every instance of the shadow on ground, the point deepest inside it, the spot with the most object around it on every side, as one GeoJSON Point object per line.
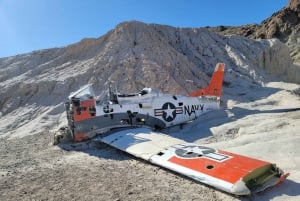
{"type": "Point", "coordinates": [201, 127]}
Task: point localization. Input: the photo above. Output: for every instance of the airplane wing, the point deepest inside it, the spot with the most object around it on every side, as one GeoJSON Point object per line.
{"type": "Point", "coordinates": [233, 173]}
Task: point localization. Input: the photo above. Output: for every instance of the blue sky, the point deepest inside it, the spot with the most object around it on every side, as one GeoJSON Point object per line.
{"type": "Point", "coordinates": [28, 25]}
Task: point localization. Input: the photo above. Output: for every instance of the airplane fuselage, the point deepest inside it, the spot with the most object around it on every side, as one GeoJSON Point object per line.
{"type": "Point", "coordinates": [89, 116]}
{"type": "Point", "coordinates": [160, 110]}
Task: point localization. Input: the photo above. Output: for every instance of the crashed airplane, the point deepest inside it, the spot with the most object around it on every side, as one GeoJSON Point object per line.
{"type": "Point", "coordinates": [143, 114]}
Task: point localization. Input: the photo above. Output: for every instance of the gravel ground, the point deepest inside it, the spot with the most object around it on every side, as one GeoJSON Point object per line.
{"type": "Point", "coordinates": [31, 168]}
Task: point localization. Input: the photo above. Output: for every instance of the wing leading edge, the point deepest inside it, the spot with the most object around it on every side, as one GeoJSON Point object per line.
{"type": "Point", "coordinates": [232, 173]}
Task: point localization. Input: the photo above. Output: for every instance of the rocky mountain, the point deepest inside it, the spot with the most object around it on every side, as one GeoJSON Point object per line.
{"type": "Point", "coordinates": [284, 25]}
{"type": "Point", "coordinates": [135, 55]}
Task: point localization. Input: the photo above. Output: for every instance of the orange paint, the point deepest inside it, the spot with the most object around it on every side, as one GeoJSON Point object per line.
{"type": "Point", "coordinates": [78, 137]}
{"type": "Point", "coordinates": [83, 111]}
{"type": "Point", "coordinates": [215, 86]}
{"type": "Point", "coordinates": [230, 170]}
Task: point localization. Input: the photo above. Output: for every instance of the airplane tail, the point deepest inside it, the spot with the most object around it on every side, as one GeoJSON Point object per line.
{"type": "Point", "coordinates": [216, 83]}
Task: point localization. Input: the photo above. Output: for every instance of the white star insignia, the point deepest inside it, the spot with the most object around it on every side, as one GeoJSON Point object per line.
{"type": "Point", "coordinates": [169, 112]}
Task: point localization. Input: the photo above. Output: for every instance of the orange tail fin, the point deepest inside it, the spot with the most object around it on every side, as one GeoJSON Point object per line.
{"type": "Point", "coordinates": [216, 83]}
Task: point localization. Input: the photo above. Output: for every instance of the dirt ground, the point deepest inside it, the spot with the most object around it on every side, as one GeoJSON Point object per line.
{"type": "Point", "coordinates": [31, 168]}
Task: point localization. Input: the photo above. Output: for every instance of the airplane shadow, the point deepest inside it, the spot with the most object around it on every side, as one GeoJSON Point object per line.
{"type": "Point", "coordinates": [288, 188]}
{"type": "Point", "coordinates": [96, 149]}
{"type": "Point", "coordinates": [201, 127]}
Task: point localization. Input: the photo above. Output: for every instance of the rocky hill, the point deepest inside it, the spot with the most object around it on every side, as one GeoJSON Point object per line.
{"type": "Point", "coordinates": [137, 55]}
{"type": "Point", "coordinates": [284, 25]}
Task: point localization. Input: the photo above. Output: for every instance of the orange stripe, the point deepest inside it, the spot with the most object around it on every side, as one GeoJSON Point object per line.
{"type": "Point", "coordinates": [230, 170]}
{"type": "Point", "coordinates": [78, 137]}
{"type": "Point", "coordinates": [84, 114]}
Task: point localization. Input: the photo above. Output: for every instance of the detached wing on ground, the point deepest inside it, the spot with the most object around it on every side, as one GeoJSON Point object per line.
{"type": "Point", "coordinates": [233, 173]}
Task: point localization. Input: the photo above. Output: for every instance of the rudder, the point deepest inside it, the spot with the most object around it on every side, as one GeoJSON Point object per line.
{"type": "Point", "coordinates": [216, 83]}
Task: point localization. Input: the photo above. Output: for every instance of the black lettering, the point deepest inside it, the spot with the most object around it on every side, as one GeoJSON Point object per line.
{"type": "Point", "coordinates": [201, 107]}
{"type": "Point", "coordinates": [192, 109]}
{"type": "Point", "coordinates": [187, 110]}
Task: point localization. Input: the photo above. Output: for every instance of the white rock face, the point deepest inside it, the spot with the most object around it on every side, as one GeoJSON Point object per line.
{"type": "Point", "coordinates": [256, 116]}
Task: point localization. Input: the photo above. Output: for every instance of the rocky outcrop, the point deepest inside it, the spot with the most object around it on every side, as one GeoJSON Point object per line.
{"type": "Point", "coordinates": [284, 25]}
{"type": "Point", "coordinates": [281, 24]}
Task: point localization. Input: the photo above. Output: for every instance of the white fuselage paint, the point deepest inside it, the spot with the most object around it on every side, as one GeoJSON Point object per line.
{"type": "Point", "coordinates": [171, 109]}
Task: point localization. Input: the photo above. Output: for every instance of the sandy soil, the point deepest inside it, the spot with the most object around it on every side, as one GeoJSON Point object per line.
{"type": "Point", "coordinates": [33, 169]}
